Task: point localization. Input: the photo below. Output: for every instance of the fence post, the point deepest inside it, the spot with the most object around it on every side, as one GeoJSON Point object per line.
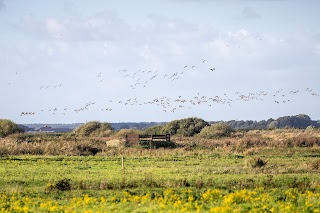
{"type": "Point", "coordinates": [150, 143]}
{"type": "Point", "coordinates": [122, 164]}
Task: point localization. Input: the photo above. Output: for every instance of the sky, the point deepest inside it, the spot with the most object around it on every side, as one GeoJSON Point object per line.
{"type": "Point", "coordinates": [70, 61]}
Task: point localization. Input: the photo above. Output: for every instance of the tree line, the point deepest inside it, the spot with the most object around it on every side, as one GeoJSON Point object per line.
{"type": "Point", "coordinates": [186, 127]}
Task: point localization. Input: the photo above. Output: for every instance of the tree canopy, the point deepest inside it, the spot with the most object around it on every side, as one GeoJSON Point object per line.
{"type": "Point", "coordinates": [295, 121]}
{"type": "Point", "coordinates": [94, 128]}
{"type": "Point", "coordinates": [185, 127]}
{"type": "Point", "coordinates": [8, 127]}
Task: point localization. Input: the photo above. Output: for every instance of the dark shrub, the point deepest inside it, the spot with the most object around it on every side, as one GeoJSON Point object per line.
{"type": "Point", "coordinates": [7, 127]}
{"type": "Point", "coordinates": [63, 185]}
{"type": "Point", "coordinates": [256, 163]}
{"type": "Point", "coordinates": [87, 150]}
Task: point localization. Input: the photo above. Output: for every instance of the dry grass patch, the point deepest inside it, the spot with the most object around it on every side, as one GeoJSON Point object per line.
{"type": "Point", "coordinates": [115, 143]}
{"type": "Point", "coordinates": [255, 163]}
{"type": "Point", "coordinates": [315, 165]}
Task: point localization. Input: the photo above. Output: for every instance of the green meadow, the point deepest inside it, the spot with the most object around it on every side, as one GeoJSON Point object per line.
{"type": "Point", "coordinates": [245, 171]}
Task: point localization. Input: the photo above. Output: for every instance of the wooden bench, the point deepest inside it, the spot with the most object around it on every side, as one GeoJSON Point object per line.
{"type": "Point", "coordinates": [135, 139]}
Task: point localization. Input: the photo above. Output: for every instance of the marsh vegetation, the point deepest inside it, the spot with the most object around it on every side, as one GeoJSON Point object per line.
{"type": "Point", "coordinates": [217, 169]}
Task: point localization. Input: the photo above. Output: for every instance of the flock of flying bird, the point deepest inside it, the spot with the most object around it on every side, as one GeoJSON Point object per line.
{"type": "Point", "coordinates": [169, 104]}
{"type": "Point", "coordinates": [145, 77]}
{"type": "Point", "coordinates": [48, 86]}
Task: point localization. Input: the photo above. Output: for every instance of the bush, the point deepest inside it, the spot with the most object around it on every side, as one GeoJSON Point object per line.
{"type": "Point", "coordinates": [87, 150]}
{"type": "Point", "coordinates": [310, 128]}
{"type": "Point", "coordinates": [305, 140]}
{"type": "Point", "coordinates": [251, 140]}
{"type": "Point", "coordinates": [154, 130]}
{"type": "Point", "coordinates": [123, 132]}
{"type": "Point", "coordinates": [95, 129]}
{"type": "Point", "coordinates": [255, 163]}
{"type": "Point", "coordinates": [185, 127]}
{"type": "Point", "coordinates": [218, 130]}
{"type": "Point", "coordinates": [7, 127]}
{"type": "Point", "coordinates": [4, 151]}
{"type": "Point", "coordinates": [61, 185]}
{"type": "Point", "coordinates": [157, 144]}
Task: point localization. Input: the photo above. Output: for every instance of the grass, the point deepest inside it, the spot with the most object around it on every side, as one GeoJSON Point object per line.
{"type": "Point", "coordinates": [256, 164]}
{"type": "Point", "coordinates": [197, 169]}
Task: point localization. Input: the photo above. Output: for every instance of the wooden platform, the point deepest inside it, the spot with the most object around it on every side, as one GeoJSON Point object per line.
{"type": "Point", "coordinates": [135, 139]}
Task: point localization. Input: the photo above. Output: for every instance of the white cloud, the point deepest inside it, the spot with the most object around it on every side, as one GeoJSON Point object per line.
{"type": "Point", "coordinates": [164, 42]}
{"type": "Point", "coordinates": [105, 26]}
{"type": "Point", "coordinates": [244, 60]}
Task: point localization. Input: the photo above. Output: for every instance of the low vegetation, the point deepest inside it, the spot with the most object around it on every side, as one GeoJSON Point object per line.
{"type": "Point", "coordinates": [94, 129]}
{"type": "Point", "coordinates": [217, 169]}
{"type": "Point", "coordinates": [218, 130]}
{"type": "Point", "coordinates": [8, 127]}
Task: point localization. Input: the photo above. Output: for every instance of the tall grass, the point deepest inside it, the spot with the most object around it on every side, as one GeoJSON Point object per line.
{"type": "Point", "coordinates": [237, 142]}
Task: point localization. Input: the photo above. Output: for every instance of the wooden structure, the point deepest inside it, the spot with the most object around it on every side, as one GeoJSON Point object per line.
{"type": "Point", "coordinates": [135, 139]}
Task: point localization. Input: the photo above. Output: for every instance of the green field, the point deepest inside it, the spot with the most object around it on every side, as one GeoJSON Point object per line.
{"type": "Point", "coordinates": [254, 171]}
{"type": "Point", "coordinates": [163, 180]}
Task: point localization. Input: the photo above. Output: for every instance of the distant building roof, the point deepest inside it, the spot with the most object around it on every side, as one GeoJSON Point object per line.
{"type": "Point", "coordinates": [50, 129]}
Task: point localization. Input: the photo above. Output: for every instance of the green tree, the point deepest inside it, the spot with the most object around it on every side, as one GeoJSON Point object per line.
{"type": "Point", "coordinates": [94, 128]}
{"type": "Point", "coordinates": [296, 121]}
{"type": "Point", "coordinates": [185, 127]}
{"type": "Point", "coordinates": [8, 127]}
{"type": "Point", "coordinates": [154, 130]}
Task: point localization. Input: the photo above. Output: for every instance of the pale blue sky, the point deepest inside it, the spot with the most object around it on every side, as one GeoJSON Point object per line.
{"type": "Point", "coordinates": [62, 61]}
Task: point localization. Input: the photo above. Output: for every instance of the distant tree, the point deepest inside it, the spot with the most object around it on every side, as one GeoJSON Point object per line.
{"type": "Point", "coordinates": [232, 123]}
{"type": "Point", "coordinates": [94, 128]}
{"type": "Point", "coordinates": [8, 127]}
{"type": "Point", "coordinates": [269, 121]}
{"type": "Point", "coordinates": [124, 126]}
{"type": "Point", "coordinates": [297, 121]}
{"type": "Point", "coordinates": [273, 125]}
{"type": "Point", "coordinates": [240, 125]}
{"type": "Point", "coordinates": [25, 128]}
{"type": "Point", "coordinates": [185, 127]}
{"type": "Point", "coordinates": [261, 124]}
